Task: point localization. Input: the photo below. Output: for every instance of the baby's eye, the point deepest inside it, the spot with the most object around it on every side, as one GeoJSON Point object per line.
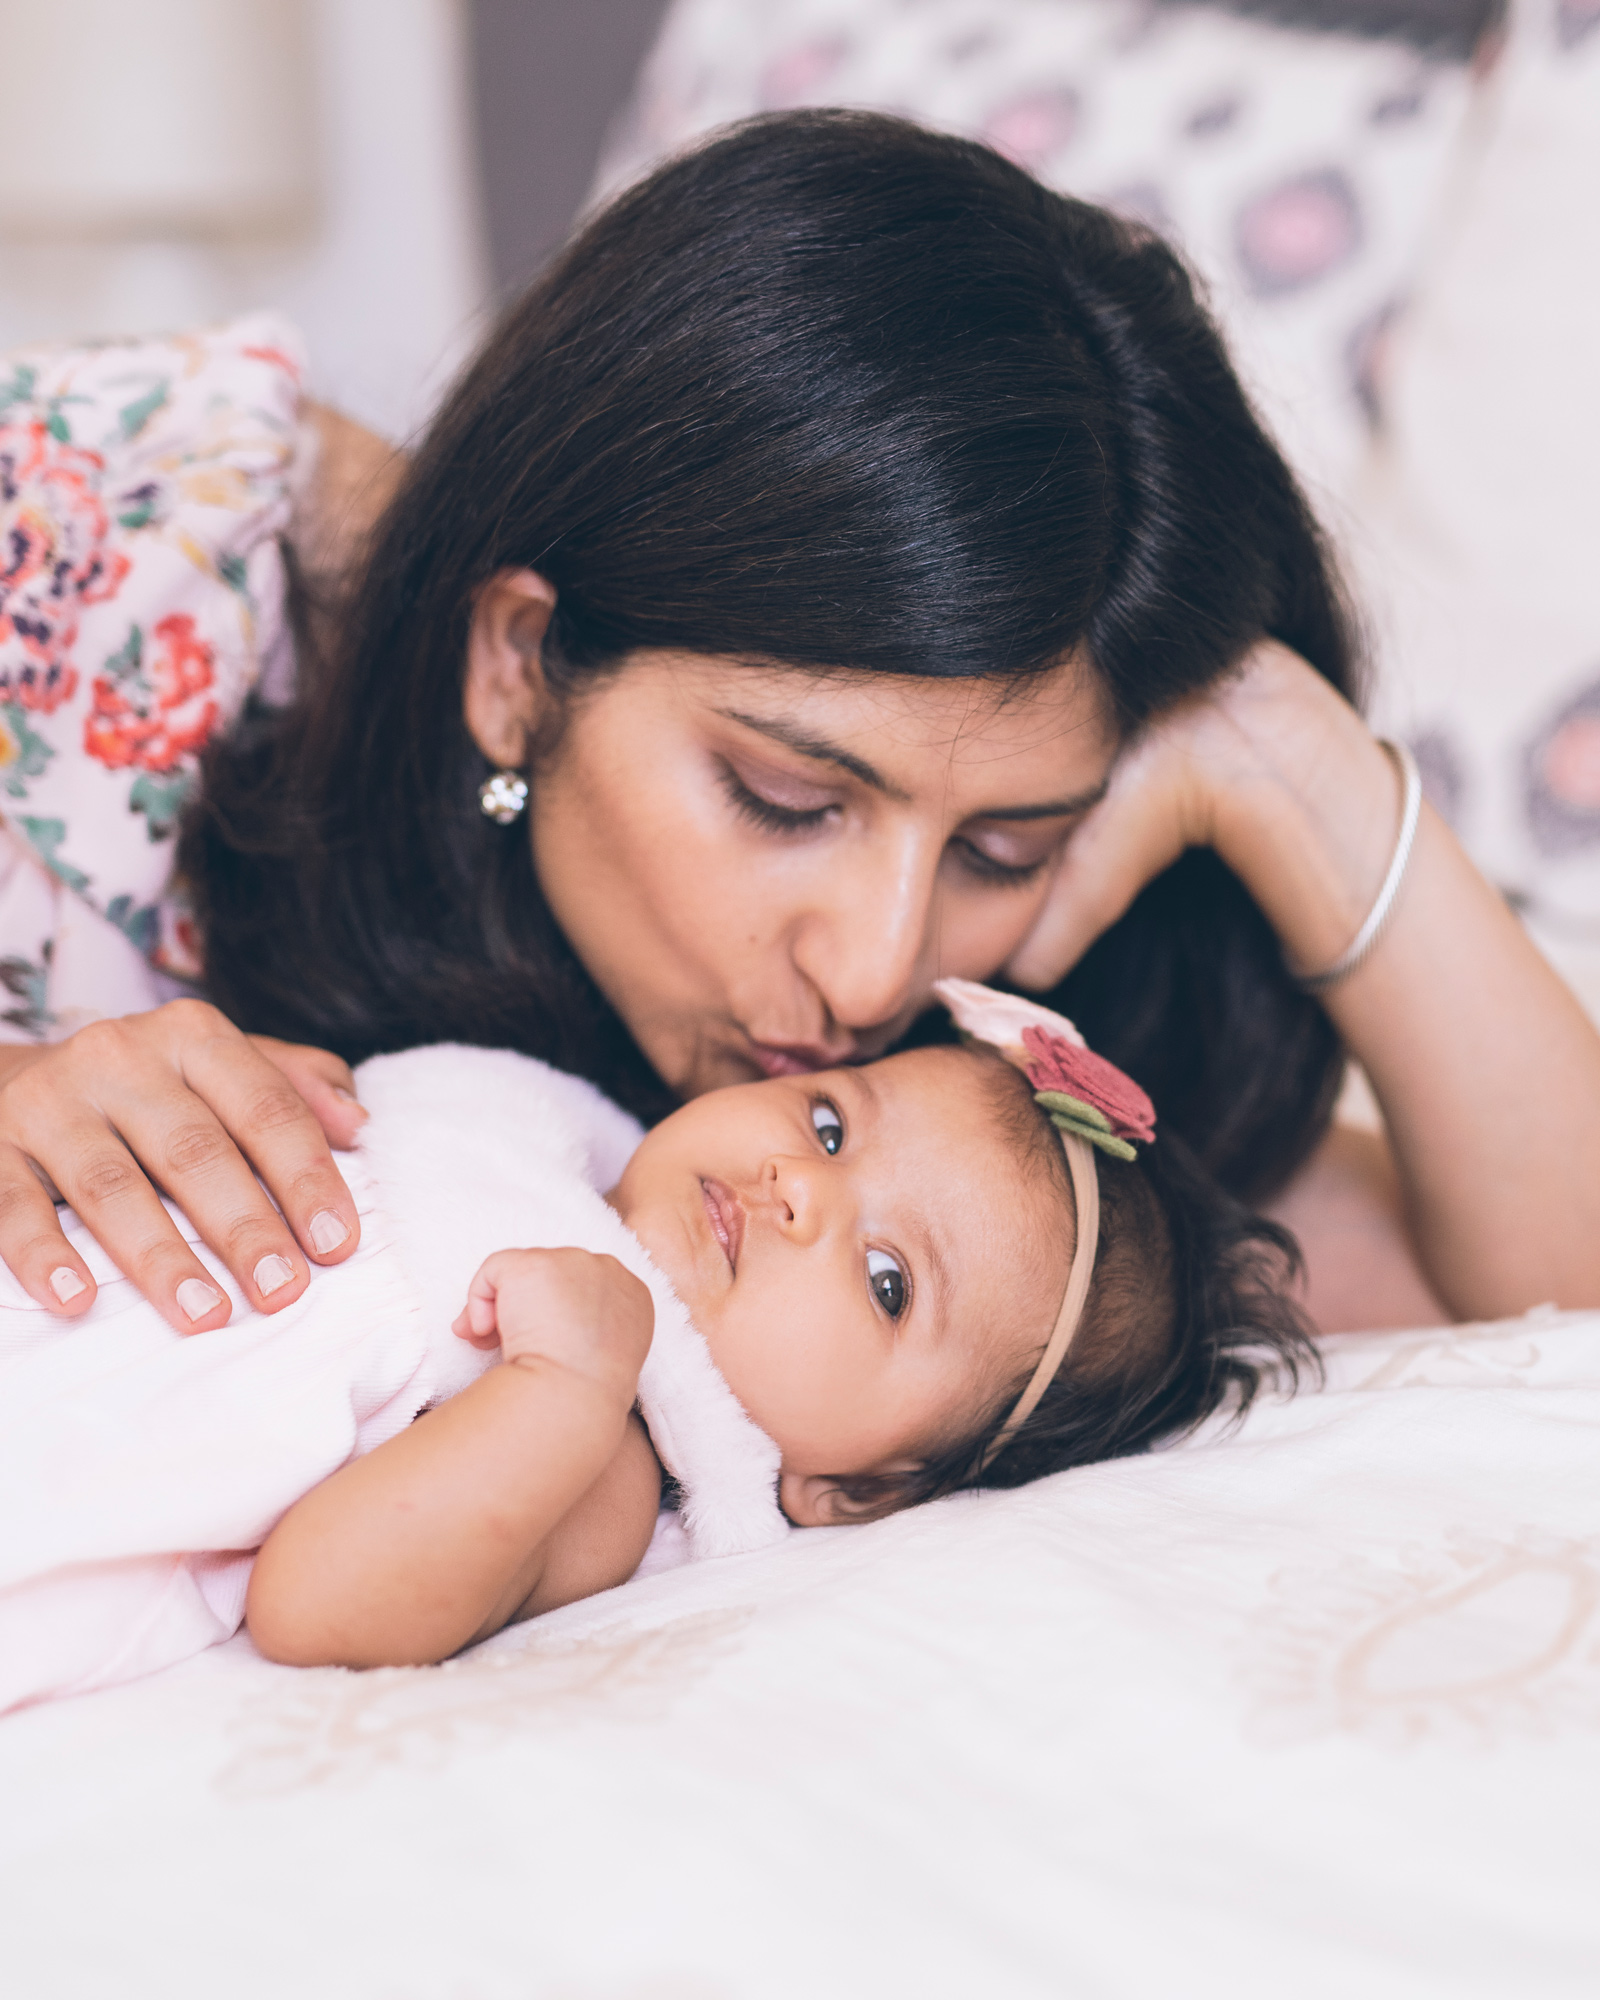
{"type": "Point", "coordinates": [830, 1128]}
{"type": "Point", "coordinates": [888, 1282]}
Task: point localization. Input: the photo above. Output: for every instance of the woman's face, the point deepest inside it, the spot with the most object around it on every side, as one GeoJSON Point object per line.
{"type": "Point", "coordinates": [765, 870]}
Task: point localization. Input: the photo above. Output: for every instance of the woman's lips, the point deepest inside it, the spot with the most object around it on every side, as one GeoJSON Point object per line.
{"type": "Point", "coordinates": [797, 1058]}
{"type": "Point", "coordinates": [725, 1213]}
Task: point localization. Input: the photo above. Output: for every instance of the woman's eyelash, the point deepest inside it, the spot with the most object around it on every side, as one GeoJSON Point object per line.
{"type": "Point", "coordinates": [773, 818]}
{"type": "Point", "coordinates": [987, 869]}
{"type": "Point", "coordinates": [764, 813]}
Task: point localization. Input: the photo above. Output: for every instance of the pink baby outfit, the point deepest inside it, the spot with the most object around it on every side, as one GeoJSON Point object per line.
{"type": "Point", "coordinates": [139, 1469]}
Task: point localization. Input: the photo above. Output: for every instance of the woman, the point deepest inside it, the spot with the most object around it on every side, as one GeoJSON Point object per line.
{"type": "Point", "coordinates": [850, 564]}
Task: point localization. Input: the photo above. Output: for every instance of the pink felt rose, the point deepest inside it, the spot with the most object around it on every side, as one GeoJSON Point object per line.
{"type": "Point", "coordinates": [1054, 1063]}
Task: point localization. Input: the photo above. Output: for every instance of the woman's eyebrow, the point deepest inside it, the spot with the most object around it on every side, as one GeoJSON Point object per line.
{"type": "Point", "coordinates": [792, 737]}
{"type": "Point", "coordinates": [1080, 802]}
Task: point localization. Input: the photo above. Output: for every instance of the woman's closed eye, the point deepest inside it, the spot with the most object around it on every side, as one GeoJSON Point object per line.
{"type": "Point", "coordinates": [887, 1282]}
{"type": "Point", "coordinates": [1010, 854]}
{"type": "Point", "coordinates": [771, 814]}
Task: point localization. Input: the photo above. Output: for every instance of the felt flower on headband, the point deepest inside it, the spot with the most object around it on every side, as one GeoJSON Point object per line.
{"type": "Point", "coordinates": [1082, 1092]}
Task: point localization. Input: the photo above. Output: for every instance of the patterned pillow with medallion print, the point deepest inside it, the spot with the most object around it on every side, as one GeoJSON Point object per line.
{"type": "Point", "coordinates": [1298, 171]}
{"type": "Point", "coordinates": [1481, 514]}
{"type": "Point", "coordinates": [1404, 250]}
{"type": "Point", "coordinates": [143, 485]}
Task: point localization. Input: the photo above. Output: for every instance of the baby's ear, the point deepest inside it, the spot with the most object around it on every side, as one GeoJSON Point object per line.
{"type": "Point", "coordinates": [821, 1500]}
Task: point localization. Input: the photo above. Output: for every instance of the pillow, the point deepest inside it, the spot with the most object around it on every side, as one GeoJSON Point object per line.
{"type": "Point", "coordinates": [1298, 171]}
{"type": "Point", "coordinates": [1480, 515]}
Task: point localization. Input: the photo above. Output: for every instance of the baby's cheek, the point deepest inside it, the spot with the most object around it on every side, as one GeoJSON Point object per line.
{"type": "Point", "coordinates": [759, 1338]}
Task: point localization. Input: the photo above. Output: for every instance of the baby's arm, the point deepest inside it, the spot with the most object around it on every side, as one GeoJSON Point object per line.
{"type": "Point", "coordinates": [531, 1488]}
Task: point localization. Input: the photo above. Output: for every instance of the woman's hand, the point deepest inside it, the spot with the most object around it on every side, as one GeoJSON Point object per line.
{"type": "Point", "coordinates": [1485, 1066]}
{"type": "Point", "coordinates": [1273, 769]}
{"type": "Point", "coordinates": [585, 1313]}
{"type": "Point", "coordinates": [176, 1099]}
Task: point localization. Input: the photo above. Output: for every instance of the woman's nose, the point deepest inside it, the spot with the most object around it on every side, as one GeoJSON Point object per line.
{"type": "Point", "coordinates": [863, 944]}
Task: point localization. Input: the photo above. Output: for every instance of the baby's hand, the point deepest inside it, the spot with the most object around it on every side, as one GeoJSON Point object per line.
{"type": "Point", "coordinates": [583, 1312]}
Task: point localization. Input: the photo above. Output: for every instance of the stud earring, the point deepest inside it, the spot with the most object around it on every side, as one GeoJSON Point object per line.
{"type": "Point", "coordinates": [503, 795]}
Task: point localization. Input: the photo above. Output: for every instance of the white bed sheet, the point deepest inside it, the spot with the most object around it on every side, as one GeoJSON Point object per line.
{"type": "Point", "coordinates": [1313, 1709]}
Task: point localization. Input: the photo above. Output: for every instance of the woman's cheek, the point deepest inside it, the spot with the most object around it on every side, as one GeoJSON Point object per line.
{"type": "Point", "coordinates": [982, 924]}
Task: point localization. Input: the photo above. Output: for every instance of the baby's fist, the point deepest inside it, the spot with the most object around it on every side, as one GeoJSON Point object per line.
{"type": "Point", "coordinates": [583, 1312]}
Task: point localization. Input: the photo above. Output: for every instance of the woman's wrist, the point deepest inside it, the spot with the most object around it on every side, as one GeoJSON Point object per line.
{"type": "Point", "coordinates": [1307, 811]}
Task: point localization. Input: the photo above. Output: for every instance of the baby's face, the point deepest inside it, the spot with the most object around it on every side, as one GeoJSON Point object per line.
{"type": "Point", "coordinates": [867, 1254]}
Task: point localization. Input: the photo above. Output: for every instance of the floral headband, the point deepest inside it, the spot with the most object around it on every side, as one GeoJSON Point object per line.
{"type": "Point", "coordinates": [1090, 1102]}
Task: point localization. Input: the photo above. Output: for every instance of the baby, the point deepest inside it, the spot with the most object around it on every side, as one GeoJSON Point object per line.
{"type": "Point", "coordinates": [945, 1269]}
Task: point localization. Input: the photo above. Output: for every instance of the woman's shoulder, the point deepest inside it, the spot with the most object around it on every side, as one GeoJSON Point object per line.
{"type": "Point", "coordinates": [143, 487]}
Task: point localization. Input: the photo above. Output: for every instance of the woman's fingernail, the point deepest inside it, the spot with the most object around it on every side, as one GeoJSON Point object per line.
{"type": "Point", "coordinates": [272, 1272]}
{"type": "Point", "coordinates": [198, 1298]}
{"type": "Point", "coordinates": [326, 1230]}
{"type": "Point", "coordinates": [349, 1096]}
{"type": "Point", "coordinates": [66, 1284]}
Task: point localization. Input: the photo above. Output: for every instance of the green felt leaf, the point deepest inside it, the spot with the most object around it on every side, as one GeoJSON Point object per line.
{"type": "Point", "coordinates": [1108, 1142]}
{"type": "Point", "coordinates": [1072, 1107]}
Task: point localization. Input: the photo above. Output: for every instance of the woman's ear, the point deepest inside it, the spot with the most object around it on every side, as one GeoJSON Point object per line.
{"type": "Point", "coordinates": [817, 1500]}
{"type": "Point", "coordinates": [506, 697]}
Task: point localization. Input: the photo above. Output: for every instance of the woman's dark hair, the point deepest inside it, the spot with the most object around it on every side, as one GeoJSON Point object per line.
{"type": "Point", "coordinates": [1189, 1313]}
{"type": "Point", "coordinates": [831, 391]}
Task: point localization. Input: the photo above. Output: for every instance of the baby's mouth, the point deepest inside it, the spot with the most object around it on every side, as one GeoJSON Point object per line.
{"type": "Point", "coordinates": [725, 1213]}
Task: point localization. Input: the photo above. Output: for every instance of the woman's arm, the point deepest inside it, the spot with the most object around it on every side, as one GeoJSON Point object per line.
{"type": "Point", "coordinates": [1347, 1210]}
{"type": "Point", "coordinates": [1485, 1066]}
{"type": "Point", "coordinates": [533, 1487]}
{"type": "Point", "coordinates": [353, 477]}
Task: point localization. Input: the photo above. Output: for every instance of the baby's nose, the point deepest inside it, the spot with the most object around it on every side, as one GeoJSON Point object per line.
{"type": "Point", "coordinates": [790, 1187]}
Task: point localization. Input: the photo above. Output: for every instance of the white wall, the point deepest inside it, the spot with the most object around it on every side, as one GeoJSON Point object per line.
{"type": "Point", "coordinates": [388, 283]}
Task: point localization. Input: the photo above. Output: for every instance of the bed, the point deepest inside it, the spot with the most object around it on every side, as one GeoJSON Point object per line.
{"type": "Point", "coordinates": [1308, 1707]}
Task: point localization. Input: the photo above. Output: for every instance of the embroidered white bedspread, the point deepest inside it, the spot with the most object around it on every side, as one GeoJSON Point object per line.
{"type": "Point", "coordinates": [1310, 1710]}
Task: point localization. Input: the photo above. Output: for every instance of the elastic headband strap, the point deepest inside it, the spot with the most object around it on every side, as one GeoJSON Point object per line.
{"type": "Point", "coordinates": [1086, 1194]}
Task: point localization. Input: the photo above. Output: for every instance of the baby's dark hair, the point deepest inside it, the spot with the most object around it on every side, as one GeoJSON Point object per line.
{"type": "Point", "coordinates": [1189, 1312]}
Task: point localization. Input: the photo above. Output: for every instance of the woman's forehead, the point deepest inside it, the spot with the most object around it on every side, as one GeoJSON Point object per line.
{"type": "Point", "coordinates": [893, 732]}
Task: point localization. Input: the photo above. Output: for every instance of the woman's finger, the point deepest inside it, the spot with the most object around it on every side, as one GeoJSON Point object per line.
{"type": "Point", "coordinates": [105, 1184]}
{"type": "Point", "coordinates": [267, 1120]}
{"type": "Point", "coordinates": [324, 1080]}
{"type": "Point", "coordinates": [33, 1243]}
{"type": "Point", "coordinates": [1123, 844]}
{"type": "Point", "coordinates": [122, 1116]}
